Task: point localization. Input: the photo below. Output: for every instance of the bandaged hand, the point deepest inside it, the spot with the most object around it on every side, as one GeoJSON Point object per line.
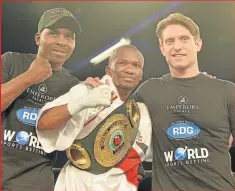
{"type": "Point", "coordinates": [96, 97]}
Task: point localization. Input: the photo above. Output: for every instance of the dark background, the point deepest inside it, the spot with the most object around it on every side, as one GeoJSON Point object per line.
{"type": "Point", "coordinates": [104, 23]}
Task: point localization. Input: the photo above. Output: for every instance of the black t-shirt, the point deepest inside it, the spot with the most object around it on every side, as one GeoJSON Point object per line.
{"type": "Point", "coordinates": [25, 165]}
{"type": "Point", "coordinates": [191, 120]}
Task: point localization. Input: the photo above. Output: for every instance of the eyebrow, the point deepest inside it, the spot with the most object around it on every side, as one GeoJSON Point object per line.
{"type": "Point", "coordinates": [170, 38]}
{"type": "Point", "coordinates": [181, 36]}
{"type": "Point", "coordinates": [135, 62]}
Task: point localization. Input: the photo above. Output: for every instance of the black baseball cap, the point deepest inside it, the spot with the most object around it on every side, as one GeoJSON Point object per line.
{"type": "Point", "coordinates": [59, 18]}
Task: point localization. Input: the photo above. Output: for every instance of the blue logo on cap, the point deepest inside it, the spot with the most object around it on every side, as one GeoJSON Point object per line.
{"type": "Point", "coordinates": [28, 116]}
{"type": "Point", "coordinates": [182, 131]}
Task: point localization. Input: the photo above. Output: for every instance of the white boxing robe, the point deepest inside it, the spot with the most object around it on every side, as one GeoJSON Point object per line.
{"type": "Point", "coordinates": [121, 178]}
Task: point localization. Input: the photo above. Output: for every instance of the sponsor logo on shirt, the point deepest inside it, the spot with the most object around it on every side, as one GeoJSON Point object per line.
{"type": "Point", "coordinates": [22, 140]}
{"type": "Point", "coordinates": [27, 116]}
{"type": "Point", "coordinates": [182, 107]}
{"type": "Point", "coordinates": [38, 94]}
{"type": "Point", "coordinates": [182, 131]}
{"type": "Point", "coordinates": [182, 100]}
{"type": "Point", "coordinates": [186, 156]}
{"type": "Point", "coordinates": [42, 88]}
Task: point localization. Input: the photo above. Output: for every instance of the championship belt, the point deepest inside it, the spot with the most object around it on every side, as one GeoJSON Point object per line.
{"type": "Point", "coordinates": [109, 143]}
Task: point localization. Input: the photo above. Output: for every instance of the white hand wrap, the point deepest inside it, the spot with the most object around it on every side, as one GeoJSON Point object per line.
{"type": "Point", "coordinates": [100, 96]}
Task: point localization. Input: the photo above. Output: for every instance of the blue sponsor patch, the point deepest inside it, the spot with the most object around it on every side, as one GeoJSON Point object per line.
{"type": "Point", "coordinates": [182, 131]}
{"type": "Point", "coordinates": [22, 138]}
{"type": "Point", "coordinates": [28, 116]}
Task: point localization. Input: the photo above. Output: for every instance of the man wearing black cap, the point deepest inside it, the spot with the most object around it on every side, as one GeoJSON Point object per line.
{"type": "Point", "coordinates": [28, 82]}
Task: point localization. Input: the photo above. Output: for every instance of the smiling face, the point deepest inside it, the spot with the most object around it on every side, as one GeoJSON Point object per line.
{"type": "Point", "coordinates": [126, 68]}
{"type": "Point", "coordinates": [55, 45]}
{"type": "Point", "coordinates": [179, 47]}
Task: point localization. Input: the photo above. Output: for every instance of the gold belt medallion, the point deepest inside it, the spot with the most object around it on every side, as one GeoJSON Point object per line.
{"type": "Point", "coordinates": [113, 140]}
{"type": "Point", "coordinates": [109, 143]}
{"type": "Point", "coordinates": [78, 156]}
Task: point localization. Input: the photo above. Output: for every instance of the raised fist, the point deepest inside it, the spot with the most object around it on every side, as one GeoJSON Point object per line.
{"type": "Point", "coordinates": [39, 70]}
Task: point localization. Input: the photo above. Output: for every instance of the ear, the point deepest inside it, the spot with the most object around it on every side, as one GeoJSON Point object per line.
{"type": "Point", "coordinates": [107, 70]}
{"type": "Point", "coordinates": [162, 49]}
{"type": "Point", "coordinates": [141, 78]}
{"type": "Point", "coordinates": [37, 38]}
{"type": "Point", "coordinates": [198, 44]}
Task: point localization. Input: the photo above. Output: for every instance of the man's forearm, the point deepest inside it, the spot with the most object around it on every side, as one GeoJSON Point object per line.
{"type": "Point", "coordinates": [54, 118]}
{"type": "Point", "coordinates": [12, 89]}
